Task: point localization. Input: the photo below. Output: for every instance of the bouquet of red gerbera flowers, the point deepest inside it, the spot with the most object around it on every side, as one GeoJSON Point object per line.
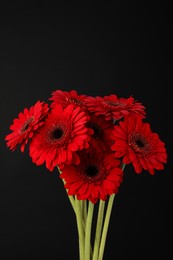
{"type": "Point", "coordinates": [89, 140]}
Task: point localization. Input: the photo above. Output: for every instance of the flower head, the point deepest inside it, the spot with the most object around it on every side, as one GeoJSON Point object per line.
{"type": "Point", "coordinates": [113, 107]}
{"type": "Point", "coordinates": [137, 144]}
{"type": "Point", "coordinates": [63, 134]}
{"type": "Point", "coordinates": [25, 126]}
{"type": "Point", "coordinates": [65, 98]}
{"type": "Point", "coordinates": [94, 178]}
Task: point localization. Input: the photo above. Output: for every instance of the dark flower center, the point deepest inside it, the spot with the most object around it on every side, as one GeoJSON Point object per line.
{"type": "Point", "coordinates": [26, 125]}
{"type": "Point", "coordinates": [139, 143]}
{"type": "Point", "coordinates": [96, 128]}
{"type": "Point", "coordinates": [74, 100]}
{"type": "Point", "coordinates": [57, 133]}
{"type": "Point", "coordinates": [91, 171]}
{"type": "Point", "coordinates": [115, 103]}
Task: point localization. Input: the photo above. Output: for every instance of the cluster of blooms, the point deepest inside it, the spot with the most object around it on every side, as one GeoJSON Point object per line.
{"type": "Point", "coordinates": [88, 139]}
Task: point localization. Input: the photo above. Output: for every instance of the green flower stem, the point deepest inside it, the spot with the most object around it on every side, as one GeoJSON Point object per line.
{"type": "Point", "coordinates": [71, 198]}
{"type": "Point", "coordinates": [105, 227]}
{"type": "Point", "coordinates": [98, 229]}
{"type": "Point", "coordinates": [72, 201]}
{"type": "Point", "coordinates": [106, 222]}
{"type": "Point", "coordinates": [80, 227]}
{"type": "Point", "coordinates": [123, 165]}
{"type": "Point", "coordinates": [84, 210]}
{"type": "Point", "coordinates": [88, 230]}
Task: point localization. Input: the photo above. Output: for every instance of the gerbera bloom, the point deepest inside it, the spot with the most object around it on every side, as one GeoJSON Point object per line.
{"type": "Point", "coordinates": [63, 134]}
{"type": "Point", "coordinates": [113, 107]}
{"type": "Point", "coordinates": [64, 98]}
{"type": "Point", "coordinates": [101, 137]}
{"type": "Point", "coordinates": [26, 125]}
{"type": "Point", "coordinates": [94, 178]}
{"type": "Point", "coordinates": [137, 144]}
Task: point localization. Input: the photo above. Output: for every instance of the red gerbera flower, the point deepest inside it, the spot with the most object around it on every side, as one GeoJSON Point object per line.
{"type": "Point", "coordinates": [113, 107]}
{"type": "Point", "coordinates": [134, 141]}
{"type": "Point", "coordinates": [101, 137]}
{"type": "Point", "coordinates": [94, 178]}
{"type": "Point", "coordinates": [26, 125]}
{"type": "Point", "coordinates": [63, 134]}
{"type": "Point", "coordinates": [64, 98]}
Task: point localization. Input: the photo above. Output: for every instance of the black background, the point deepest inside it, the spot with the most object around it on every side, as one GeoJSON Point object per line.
{"type": "Point", "coordinates": [124, 49]}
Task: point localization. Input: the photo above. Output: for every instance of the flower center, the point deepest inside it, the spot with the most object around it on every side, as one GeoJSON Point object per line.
{"type": "Point", "coordinates": [57, 133]}
{"type": "Point", "coordinates": [26, 125]}
{"type": "Point", "coordinates": [114, 103]}
{"type": "Point", "coordinates": [91, 171]}
{"type": "Point", "coordinates": [139, 143]}
{"type": "Point", "coordinates": [96, 128]}
{"type": "Point", "coordinates": [74, 100]}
